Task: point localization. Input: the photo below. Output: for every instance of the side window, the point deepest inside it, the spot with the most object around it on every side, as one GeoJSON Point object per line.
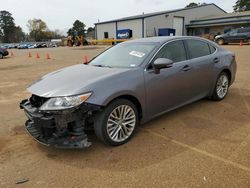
{"type": "Point", "coordinates": [197, 48]}
{"type": "Point", "coordinates": [174, 51]}
{"type": "Point", "coordinates": [212, 49]}
{"type": "Point", "coordinates": [241, 30]}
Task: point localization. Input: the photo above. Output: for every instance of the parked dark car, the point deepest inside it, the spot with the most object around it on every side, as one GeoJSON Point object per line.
{"type": "Point", "coordinates": [234, 36]}
{"type": "Point", "coordinates": [3, 52]}
{"type": "Point", "coordinates": [127, 85]}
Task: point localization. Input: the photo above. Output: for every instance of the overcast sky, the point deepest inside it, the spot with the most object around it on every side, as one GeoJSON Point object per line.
{"type": "Point", "coordinates": [60, 14]}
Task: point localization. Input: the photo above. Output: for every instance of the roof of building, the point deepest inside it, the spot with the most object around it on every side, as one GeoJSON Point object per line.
{"type": "Point", "coordinates": [157, 13]}
{"type": "Point", "coordinates": [163, 39]}
{"type": "Point", "coordinates": [223, 19]}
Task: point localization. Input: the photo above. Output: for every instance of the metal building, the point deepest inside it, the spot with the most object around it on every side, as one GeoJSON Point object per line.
{"type": "Point", "coordinates": [155, 24]}
{"type": "Point", "coordinates": [218, 24]}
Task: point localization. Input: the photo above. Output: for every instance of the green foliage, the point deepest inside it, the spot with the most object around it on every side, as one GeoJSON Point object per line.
{"type": "Point", "coordinates": [9, 32]}
{"type": "Point", "coordinates": [37, 28]}
{"type": "Point", "coordinates": [40, 32]}
{"type": "Point", "coordinates": [242, 5]}
{"type": "Point", "coordinates": [77, 29]}
{"type": "Point", "coordinates": [193, 4]}
{"type": "Point", "coordinates": [90, 29]}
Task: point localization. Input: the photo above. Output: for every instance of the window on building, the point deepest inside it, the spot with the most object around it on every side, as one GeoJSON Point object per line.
{"type": "Point", "coordinates": [198, 31]}
{"type": "Point", "coordinates": [106, 35]}
{"type": "Point", "coordinates": [207, 30]}
{"type": "Point", "coordinates": [198, 48]}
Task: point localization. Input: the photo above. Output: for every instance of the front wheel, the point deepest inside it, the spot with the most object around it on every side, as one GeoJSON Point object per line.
{"type": "Point", "coordinates": [117, 123]}
{"type": "Point", "coordinates": [1, 56]}
{"type": "Point", "coordinates": [221, 87]}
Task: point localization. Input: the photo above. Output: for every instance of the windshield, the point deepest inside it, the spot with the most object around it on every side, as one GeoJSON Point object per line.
{"type": "Point", "coordinates": [124, 55]}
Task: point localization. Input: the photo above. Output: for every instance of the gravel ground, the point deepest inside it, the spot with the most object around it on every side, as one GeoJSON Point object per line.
{"type": "Point", "coordinates": [205, 144]}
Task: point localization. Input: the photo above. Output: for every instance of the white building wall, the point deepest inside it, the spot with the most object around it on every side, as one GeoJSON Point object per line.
{"type": "Point", "coordinates": [152, 24]}
{"type": "Point", "coordinates": [134, 25]}
{"type": "Point", "coordinates": [106, 27]}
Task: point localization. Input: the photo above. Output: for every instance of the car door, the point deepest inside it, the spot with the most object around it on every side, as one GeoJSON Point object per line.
{"type": "Point", "coordinates": [242, 34]}
{"type": "Point", "coordinates": [169, 88]}
{"type": "Point", "coordinates": [233, 36]}
{"type": "Point", "coordinates": [202, 60]}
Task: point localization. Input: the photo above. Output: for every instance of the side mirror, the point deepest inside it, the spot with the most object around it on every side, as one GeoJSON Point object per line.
{"type": "Point", "coordinates": [162, 63]}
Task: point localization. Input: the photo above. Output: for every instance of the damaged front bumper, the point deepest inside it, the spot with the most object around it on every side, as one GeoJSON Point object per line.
{"type": "Point", "coordinates": [61, 129]}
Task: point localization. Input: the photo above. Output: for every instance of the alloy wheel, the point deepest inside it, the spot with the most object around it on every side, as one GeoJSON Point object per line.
{"type": "Point", "coordinates": [121, 123]}
{"type": "Point", "coordinates": [222, 86]}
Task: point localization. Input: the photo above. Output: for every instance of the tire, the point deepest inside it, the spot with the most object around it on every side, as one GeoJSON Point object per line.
{"type": "Point", "coordinates": [1, 56]}
{"type": "Point", "coordinates": [221, 87]}
{"type": "Point", "coordinates": [113, 130]}
{"type": "Point", "coordinates": [248, 41]}
{"type": "Point", "coordinates": [220, 41]}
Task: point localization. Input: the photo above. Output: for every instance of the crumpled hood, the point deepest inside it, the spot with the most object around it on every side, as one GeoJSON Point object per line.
{"type": "Point", "coordinates": [73, 80]}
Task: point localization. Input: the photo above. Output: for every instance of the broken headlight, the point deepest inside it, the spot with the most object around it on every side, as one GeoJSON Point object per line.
{"type": "Point", "coordinates": [61, 103]}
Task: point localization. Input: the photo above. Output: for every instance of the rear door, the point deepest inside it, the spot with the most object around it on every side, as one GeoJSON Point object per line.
{"type": "Point", "coordinates": [202, 59]}
{"type": "Point", "coordinates": [233, 36]}
{"type": "Point", "coordinates": [242, 34]}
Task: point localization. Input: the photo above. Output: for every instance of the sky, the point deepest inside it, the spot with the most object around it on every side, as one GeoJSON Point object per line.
{"type": "Point", "coordinates": [60, 14]}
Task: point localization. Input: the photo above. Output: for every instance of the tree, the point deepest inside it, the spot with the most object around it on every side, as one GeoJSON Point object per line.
{"type": "Point", "coordinates": [7, 25]}
{"type": "Point", "coordinates": [91, 32]}
{"type": "Point", "coordinates": [193, 4]}
{"type": "Point", "coordinates": [242, 5]}
{"type": "Point", "coordinates": [90, 29]}
{"type": "Point", "coordinates": [38, 29]}
{"type": "Point", "coordinates": [19, 35]}
{"type": "Point", "coordinates": [9, 32]}
{"type": "Point", "coordinates": [77, 29]}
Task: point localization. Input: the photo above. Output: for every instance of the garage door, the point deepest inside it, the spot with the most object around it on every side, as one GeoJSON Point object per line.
{"type": "Point", "coordinates": [178, 25]}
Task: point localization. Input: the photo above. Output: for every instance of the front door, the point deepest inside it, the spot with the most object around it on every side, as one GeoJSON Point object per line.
{"type": "Point", "coordinates": [170, 88]}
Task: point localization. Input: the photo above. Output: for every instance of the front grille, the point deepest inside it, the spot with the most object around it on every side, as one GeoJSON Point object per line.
{"type": "Point", "coordinates": [37, 101]}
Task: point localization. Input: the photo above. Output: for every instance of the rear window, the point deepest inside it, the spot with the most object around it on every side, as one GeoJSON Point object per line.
{"type": "Point", "coordinates": [244, 30]}
{"type": "Point", "coordinates": [198, 48]}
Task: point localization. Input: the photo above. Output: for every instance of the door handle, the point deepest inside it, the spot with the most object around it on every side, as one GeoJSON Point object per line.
{"type": "Point", "coordinates": [216, 60]}
{"type": "Point", "coordinates": [186, 68]}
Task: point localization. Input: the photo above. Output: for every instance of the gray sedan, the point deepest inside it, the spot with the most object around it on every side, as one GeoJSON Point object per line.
{"type": "Point", "coordinates": [127, 85]}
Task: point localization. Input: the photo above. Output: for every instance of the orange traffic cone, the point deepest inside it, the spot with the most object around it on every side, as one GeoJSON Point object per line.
{"type": "Point", "coordinates": [29, 55]}
{"type": "Point", "coordinates": [85, 60]}
{"type": "Point", "coordinates": [37, 55]}
{"type": "Point", "coordinates": [241, 43]}
{"type": "Point", "coordinates": [47, 56]}
{"type": "Point", "coordinates": [12, 54]}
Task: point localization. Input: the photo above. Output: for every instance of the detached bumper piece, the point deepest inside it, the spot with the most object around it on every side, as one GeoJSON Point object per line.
{"type": "Point", "coordinates": [61, 129]}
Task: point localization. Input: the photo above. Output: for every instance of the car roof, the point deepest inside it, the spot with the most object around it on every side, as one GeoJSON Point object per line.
{"type": "Point", "coordinates": [163, 39]}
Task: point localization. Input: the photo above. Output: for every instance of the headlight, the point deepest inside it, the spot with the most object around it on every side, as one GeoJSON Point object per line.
{"type": "Point", "coordinates": [61, 103]}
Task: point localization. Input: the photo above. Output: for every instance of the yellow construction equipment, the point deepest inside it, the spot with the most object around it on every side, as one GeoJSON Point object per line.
{"type": "Point", "coordinates": [75, 40]}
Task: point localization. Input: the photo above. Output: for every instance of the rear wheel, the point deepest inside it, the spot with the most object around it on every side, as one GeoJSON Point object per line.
{"type": "Point", "coordinates": [221, 87]}
{"type": "Point", "coordinates": [220, 41]}
{"type": "Point", "coordinates": [117, 123]}
{"type": "Point", "coordinates": [1, 56]}
{"type": "Point", "coordinates": [248, 41]}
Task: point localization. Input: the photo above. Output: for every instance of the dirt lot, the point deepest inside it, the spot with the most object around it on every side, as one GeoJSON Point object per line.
{"type": "Point", "coordinates": [205, 144]}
